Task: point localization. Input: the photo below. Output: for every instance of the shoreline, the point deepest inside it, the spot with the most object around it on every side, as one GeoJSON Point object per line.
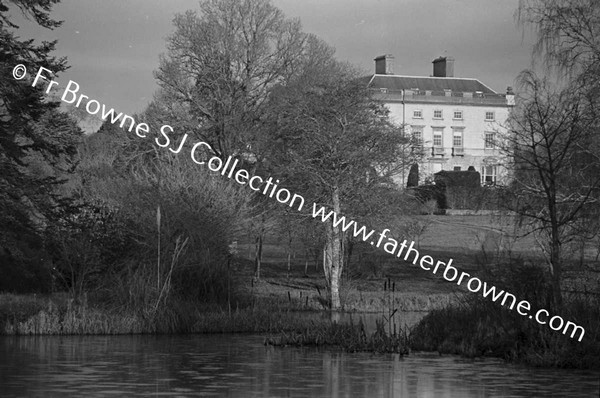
{"type": "Point", "coordinates": [448, 330]}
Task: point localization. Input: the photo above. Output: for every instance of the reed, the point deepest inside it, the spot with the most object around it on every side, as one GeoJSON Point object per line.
{"type": "Point", "coordinates": [349, 336]}
{"type": "Point", "coordinates": [74, 319]}
{"type": "Point", "coordinates": [23, 315]}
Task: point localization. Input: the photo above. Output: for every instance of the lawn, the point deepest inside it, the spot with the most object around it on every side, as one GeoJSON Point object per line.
{"type": "Point", "coordinates": [366, 277]}
{"type": "Point", "coordinates": [467, 239]}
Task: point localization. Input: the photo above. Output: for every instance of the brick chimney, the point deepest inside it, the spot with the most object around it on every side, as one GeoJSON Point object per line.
{"type": "Point", "coordinates": [384, 64]}
{"type": "Point", "coordinates": [443, 67]}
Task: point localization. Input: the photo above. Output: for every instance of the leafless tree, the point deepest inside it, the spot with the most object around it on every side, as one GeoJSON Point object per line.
{"type": "Point", "coordinates": [332, 141]}
{"type": "Point", "coordinates": [568, 33]}
{"type": "Point", "coordinates": [220, 64]}
{"type": "Point", "coordinates": [552, 142]}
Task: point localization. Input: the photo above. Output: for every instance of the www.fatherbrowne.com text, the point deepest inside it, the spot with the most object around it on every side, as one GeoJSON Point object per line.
{"type": "Point", "coordinates": [266, 186]}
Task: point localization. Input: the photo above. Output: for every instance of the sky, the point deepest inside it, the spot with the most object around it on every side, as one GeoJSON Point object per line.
{"type": "Point", "coordinates": [113, 46]}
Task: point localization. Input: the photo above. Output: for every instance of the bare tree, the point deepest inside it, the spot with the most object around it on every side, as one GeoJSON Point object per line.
{"type": "Point", "coordinates": [220, 64]}
{"type": "Point", "coordinates": [552, 143]}
{"type": "Point", "coordinates": [568, 33]}
{"type": "Point", "coordinates": [332, 141]}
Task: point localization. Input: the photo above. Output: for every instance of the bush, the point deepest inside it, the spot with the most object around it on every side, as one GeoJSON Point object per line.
{"type": "Point", "coordinates": [33, 275]}
{"type": "Point", "coordinates": [468, 179]}
{"type": "Point", "coordinates": [478, 198]}
{"type": "Point", "coordinates": [177, 218]}
{"type": "Point", "coordinates": [430, 192]}
{"type": "Point", "coordinates": [479, 327]}
{"type": "Point", "coordinates": [464, 198]}
{"type": "Point", "coordinates": [413, 176]}
{"type": "Point", "coordinates": [196, 207]}
{"type": "Point", "coordinates": [85, 244]}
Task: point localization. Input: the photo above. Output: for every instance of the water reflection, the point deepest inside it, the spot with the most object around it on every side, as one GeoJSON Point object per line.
{"type": "Point", "coordinates": [240, 366]}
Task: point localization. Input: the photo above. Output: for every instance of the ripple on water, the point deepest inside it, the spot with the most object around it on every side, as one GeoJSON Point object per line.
{"type": "Point", "coordinates": [240, 366]}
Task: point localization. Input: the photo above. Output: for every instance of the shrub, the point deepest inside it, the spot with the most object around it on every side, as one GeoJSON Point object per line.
{"type": "Point", "coordinates": [86, 243]}
{"type": "Point", "coordinates": [413, 176]}
{"type": "Point", "coordinates": [183, 254]}
{"type": "Point", "coordinates": [469, 179]}
{"type": "Point", "coordinates": [479, 327]}
{"type": "Point", "coordinates": [430, 192]}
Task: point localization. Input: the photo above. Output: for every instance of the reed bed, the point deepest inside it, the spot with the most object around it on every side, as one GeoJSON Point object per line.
{"type": "Point", "coordinates": [25, 315]}
{"type": "Point", "coordinates": [348, 336]}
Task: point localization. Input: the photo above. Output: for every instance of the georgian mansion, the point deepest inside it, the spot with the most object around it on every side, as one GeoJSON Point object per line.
{"type": "Point", "coordinates": [455, 121]}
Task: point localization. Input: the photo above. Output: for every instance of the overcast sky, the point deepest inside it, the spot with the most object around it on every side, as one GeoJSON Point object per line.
{"type": "Point", "coordinates": [113, 45]}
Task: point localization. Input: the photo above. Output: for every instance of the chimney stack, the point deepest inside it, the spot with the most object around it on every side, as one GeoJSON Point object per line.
{"type": "Point", "coordinates": [384, 64]}
{"type": "Point", "coordinates": [443, 67]}
{"type": "Point", "coordinates": [510, 96]}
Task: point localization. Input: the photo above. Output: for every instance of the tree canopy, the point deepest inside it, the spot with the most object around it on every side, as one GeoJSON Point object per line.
{"type": "Point", "coordinates": [34, 136]}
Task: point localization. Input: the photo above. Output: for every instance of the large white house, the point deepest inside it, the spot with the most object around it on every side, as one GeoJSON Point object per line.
{"type": "Point", "coordinates": [455, 120]}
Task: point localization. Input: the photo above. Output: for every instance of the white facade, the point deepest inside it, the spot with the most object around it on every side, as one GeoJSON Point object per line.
{"type": "Point", "coordinates": [457, 121]}
{"type": "Point", "coordinates": [455, 136]}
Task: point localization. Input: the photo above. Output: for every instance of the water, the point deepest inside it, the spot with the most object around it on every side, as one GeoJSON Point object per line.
{"type": "Point", "coordinates": [241, 366]}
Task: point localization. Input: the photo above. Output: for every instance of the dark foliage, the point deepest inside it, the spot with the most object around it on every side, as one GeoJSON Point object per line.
{"type": "Point", "coordinates": [413, 176]}
{"type": "Point", "coordinates": [469, 179]}
{"type": "Point", "coordinates": [480, 327]}
{"type": "Point", "coordinates": [37, 145]}
{"type": "Point", "coordinates": [427, 192]}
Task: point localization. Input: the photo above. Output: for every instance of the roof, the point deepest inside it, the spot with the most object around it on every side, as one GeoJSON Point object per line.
{"type": "Point", "coordinates": [397, 82]}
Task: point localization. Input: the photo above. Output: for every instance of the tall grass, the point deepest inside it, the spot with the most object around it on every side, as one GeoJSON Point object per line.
{"type": "Point", "coordinates": [349, 336]}
{"type": "Point", "coordinates": [48, 316]}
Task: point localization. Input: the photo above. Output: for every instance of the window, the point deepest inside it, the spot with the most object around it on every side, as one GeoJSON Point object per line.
{"type": "Point", "coordinates": [488, 175]}
{"type": "Point", "coordinates": [417, 114]}
{"type": "Point", "coordinates": [458, 115]}
{"type": "Point", "coordinates": [490, 116]}
{"type": "Point", "coordinates": [417, 132]}
{"type": "Point", "coordinates": [489, 140]}
{"type": "Point", "coordinates": [438, 140]}
{"type": "Point", "coordinates": [456, 168]}
{"type": "Point", "coordinates": [437, 114]}
{"type": "Point", "coordinates": [457, 138]}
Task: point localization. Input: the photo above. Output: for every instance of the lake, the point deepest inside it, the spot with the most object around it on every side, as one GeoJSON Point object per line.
{"type": "Point", "coordinates": [241, 366]}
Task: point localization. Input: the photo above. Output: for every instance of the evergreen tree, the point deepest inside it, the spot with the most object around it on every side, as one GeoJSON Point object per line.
{"type": "Point", "coordinates": [413, 176]}
{"type": "Point", "coordinates": [36, 142]}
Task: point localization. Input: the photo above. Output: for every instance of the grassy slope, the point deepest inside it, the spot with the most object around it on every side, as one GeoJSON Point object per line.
{"type": "Point", "coordinates": [458, 237]}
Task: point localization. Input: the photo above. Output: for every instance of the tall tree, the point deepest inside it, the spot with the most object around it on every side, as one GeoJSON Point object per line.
{"type": "Point", "coordinates": [331, 141]}
{"type": "Point", "coordinates": [568, 33]}
{"type": "Point", "coordinates": [552, 141]}
{"type": "Point", "coordinates": [220, 63]}
{"type": "Point", "coordinates": [32, 130]}
{"type": "Point", "coordinates": [568, 41]}
{"type": "Point", "coordinates": [215, 78]}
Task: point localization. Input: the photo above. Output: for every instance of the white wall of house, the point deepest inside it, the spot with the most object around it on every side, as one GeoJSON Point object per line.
{"type": "Point", "coordinates": [463, 136]}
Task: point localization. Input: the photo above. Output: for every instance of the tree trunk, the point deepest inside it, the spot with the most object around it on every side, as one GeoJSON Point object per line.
{"type": "Point", "coordinates": [258, 255]}
{"type": "Point", "coordinates": [305, 265]}
{"type": "Point", "coordinates": [555, 245]}
{"type": "Point", "coordinates": [555, 260]}
{"type": "Point", "coordinates": [333, 263]}
{"type": "Point", "coordinates": [289, 253]}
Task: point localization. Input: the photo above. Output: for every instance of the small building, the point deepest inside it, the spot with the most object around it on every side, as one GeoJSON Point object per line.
{"type": "Point", "coordinates": [455, 121]}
